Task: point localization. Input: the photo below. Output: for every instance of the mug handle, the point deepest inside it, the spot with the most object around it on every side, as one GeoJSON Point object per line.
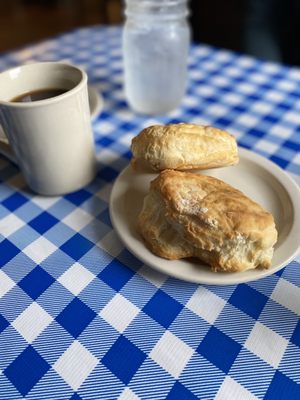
{"type": "Point", "coordinates": [5, 148]}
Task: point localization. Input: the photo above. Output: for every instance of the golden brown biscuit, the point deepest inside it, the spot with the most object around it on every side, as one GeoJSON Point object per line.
{"type": "Point", "coordinates": [182, 147]}
{"type": "Point", "coordinates": [193, 215]}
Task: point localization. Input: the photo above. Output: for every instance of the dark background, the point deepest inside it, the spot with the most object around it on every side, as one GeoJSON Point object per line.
{"type": "Point", "coordinates": [274, 34]}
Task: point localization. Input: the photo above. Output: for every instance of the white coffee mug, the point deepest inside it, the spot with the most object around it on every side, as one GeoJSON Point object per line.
{"type": "Point", "coordinates": [51, 140]}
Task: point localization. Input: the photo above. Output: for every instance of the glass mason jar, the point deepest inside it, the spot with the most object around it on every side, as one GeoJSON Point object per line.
{"type": "Point", "coordinates": [156, 39]}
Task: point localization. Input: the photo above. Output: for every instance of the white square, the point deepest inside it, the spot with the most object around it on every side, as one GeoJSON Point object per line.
{"type": "Point", "coordinates": [247, 120]}
{"type": "Point", "coordinates": [111, 244]}
{"type": "Point", "coordinates": [258, 78]}
{"type": "Point", "coordinates": [288, 295]}
{"type": "Point", "coordinates": [236, 133]}
{"type": "Point", "coordinates": [45, 202]}
{"type": "Point", "coordinates": [196, 74]}
{"type": "Point", "coordinates": [155, 277]}
{"type": "Point", "coordinates": [40, 249]}
{"type": "Point", "coordinates": [274, 96]}
{"type": "Point", "coordinates": [104, 193]}
{"type": "Point", "coordinates": [200, 121]}
{"type": "Point", "coordinates": [108, 156]}
{"type": "Point", "coordinates": [233, 71]}
{"type": "Point", "coordinates": [75, 364]}
{"type": "Point", "coordinates": [205, 91]}
{"type": "Point", "coordinates": [220, 81]}
{"type": "Point", "coordinates": [217, 110]}
{"type": "Point", "coordinates": [77, 219]}
{"type": "Point", "coordinates": [202, 51]}
{"type": "Point", "coordinates": [296, 159]}
{"type": "Point", "coordinates": [294, 73]}
{"type": "Point", "coordinates": [126, 139]}
{"type": "Point", "coordinates": [246, 88]}
{"type": "Point", "coordinates": [281, 131]}
{"type": "Point", "coordinates": [206, 304]}
{"type": "Point", "coordinates": [171, 353]}
{"type": "Point", "coordinates": [119, 312]}
{"type": "Point", "coordinates": [292, 117]}
{"type": "Point", "coordinates": [76, 278]}
{"type": "Point", "coordinates": [31, 323]}
{"type": "Point", "coordinates": [232, 98]}
{"type": "Point", "coordinates": [262, 108]}
{"type": "Point", "coordinates": [191, 101]}
{"type": "Point", "coordinates": [209, 65]}
{"type": "Point", "coordinates": [6, 283]}
{"type": "Point", "coordinates": [231, 389]}
{"type": "Point", "coordinates": [266, 146]}
{"type": "Point", "coordinates": [10, 224]}
{"type": "Point", "coordinates": [125, 115]}
{"type": "Point", "coordinates": [287, 86]}
{"type": "Point", "coordinates": [270, 67]}
{"type": "Point", "coordinates": [106, 127]}
{"type": "Point", "coordinates": [246, 61]}
{"type": "Point", "coordinates": [223, 55]}
{"type": "Point", "coordinates": [128, 394]}
{"type": "Point", "coordinates": [266, 344]}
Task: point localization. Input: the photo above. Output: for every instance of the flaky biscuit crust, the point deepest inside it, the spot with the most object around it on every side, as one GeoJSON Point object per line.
{"type": "Point", "coordinates": [182, 147]}
{"type": "Point", "coordinates": [193, 215]}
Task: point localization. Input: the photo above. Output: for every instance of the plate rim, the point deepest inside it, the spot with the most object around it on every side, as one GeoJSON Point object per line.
{"type": "Point", "coordinates": [280, 175]}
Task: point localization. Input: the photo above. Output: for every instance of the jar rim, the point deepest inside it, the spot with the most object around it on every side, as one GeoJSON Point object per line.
{"type": "Point", "coordinates": [135, 6]}
{"type": "Point", "coordinates": [159, 3]}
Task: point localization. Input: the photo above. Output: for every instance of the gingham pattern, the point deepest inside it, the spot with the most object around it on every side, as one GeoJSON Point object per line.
{"type": "Point", "coordinates": [81, 318]}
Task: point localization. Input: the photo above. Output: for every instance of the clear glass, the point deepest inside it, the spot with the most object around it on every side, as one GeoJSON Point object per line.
{"type": "Point", "coordinates": [156, 39]}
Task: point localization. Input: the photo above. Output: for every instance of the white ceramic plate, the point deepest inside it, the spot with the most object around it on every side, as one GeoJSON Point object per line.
{"type": "Point", "coordinates": [257, 177]}
{"type": "Point", "coordinates": [95, 102]}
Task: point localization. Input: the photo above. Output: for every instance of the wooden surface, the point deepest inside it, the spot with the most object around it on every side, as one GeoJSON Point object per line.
{"type": "Point", "coordinates": [28, 21]}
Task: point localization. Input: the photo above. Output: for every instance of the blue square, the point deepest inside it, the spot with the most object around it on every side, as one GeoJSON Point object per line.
{"type": "Point", "coordinates": [3, 323]}
{"type": "Point", "coordinates": [105, 141]}
{"type": "Point", "coordinates": [280, 161]}
{"type": "Point", "coordinates": [127, 154]}
{"type": "Point", "coordinates": [242, 143]}
{"type": "Point", "coordinates": [109, 174]}
{"type": "Point", "coordinates": [180, 392]}
{"type": "Point", "coordinates": [270, 118]}
{"type": "Point", "coordinates": [256, 133]}
{"type": "Point", "coordinates": [163, 308]}
{"type": "Point", "coordinates": [14, 201]}
{"type": "Point", "coordinates": [116, 275]}
{"type": "Point", "coordinates": [219, 349]}
{"type": "Point", "coordinates": [105, 218]}
{"type": "Point", "coordinates": [78, 197]}
{"type": "Point", "coordinates": [292, 145]}
{"type": "Point", "coordinates": [43, 222]}
{"type": "Point", "coordinates": [75, 317]}
{"type": "Point", "coordinates": [77, 246]}
{"type": "Point", "coordinates": [296, 335]}
{"type": "Point", "coordinates": [7, 252]}
{"type": "Point", "coordinates": [282, 387]}
{"type": "Point", "coordinates": [248, 300]}
{"type": "Point", "coordinates": [128, 126]}
{"type": "Point", "coordinates": [223, 122]}
{"type": "Point", "coordinates": [36, 282]}
{"type": "Point", "coordinates": [75, 397]}
{"type": "Point", "coordinates": [123, 359]}
{"type": "Point", "coordinates": [26, 370]}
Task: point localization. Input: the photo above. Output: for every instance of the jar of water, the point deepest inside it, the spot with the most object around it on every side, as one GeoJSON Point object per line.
{"type": "Point", "coordinates": [156, 40]}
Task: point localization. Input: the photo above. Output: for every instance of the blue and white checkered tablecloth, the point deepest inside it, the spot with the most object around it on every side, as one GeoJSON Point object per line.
{"type": "Point", "coordinates": [81, 318]}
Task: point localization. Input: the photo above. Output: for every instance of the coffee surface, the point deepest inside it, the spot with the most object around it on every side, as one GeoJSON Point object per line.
{"type": "Point", "coordinates": [36, 95]}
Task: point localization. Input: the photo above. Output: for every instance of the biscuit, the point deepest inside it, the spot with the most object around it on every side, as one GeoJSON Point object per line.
{"type": "Point", "coordinates": [191, 215]}
{"type": "Point", "coordinates": [182, 147]}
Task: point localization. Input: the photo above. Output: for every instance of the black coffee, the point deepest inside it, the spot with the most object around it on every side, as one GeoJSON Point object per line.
{"type": "Point", "coordinates": [36, 95]}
